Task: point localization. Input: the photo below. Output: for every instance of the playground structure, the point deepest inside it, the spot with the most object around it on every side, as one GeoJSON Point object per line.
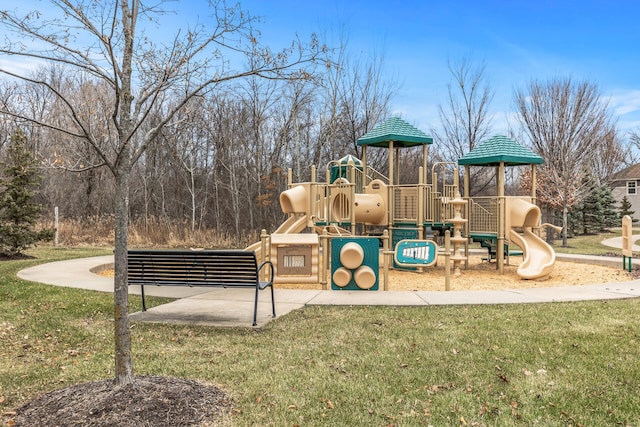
{"type": "Point", "coordinates": [356, 205]}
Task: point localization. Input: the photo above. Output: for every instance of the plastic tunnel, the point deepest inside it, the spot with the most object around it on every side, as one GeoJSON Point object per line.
{"type": "Point", "coordinates": [295, 199]}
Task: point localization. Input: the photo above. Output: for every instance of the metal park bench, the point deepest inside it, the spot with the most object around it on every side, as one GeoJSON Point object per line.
{"type": "Point", "coordinates": [206, 268]}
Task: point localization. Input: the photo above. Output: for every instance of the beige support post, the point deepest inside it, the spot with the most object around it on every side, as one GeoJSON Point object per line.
{"type": "Point", "coordinates": [386, 253]}
{"type": "Point", "coordinates": [421, 204]}
{"type": "Point", "coordinates": [457, 239]}
{"type": "Point", "coordinates": [391, 164]}
{"type": "Point", "coordinates": [465, 227]}
{"type": "Point", "coordinates": [391, 198]}
{"type": "Point", "coordinates": [456, 179]}
{"type": "Point", "coordinates": [397, 166]}
{"type": "Point", "coordinates": [313, 199]}
{"type": "Point", "coordinates": [327, 205]}
{"type": "Point", "coordinates": [501, 220]}
{"type": "Point", "coordinates": [364, 166]}
{"type": "Point", "coordinates": [467, 171]}
{"type": "Point", "coordinates": [352, 197]}
{"type": "Point", "coordinates": [324, 240]}
{"type": "Point", "coordinates": [436, 213]}
{"type": "Point", "coordinates": [533, 185]}
{"type": "Point", "coordinates": [627, 243]}
{"type": "Point", "coordinates": [425, 153]}
{"type": "Point", "coordinates": [434, 180]}
{"type": "Point", "coordinates": [263, 251]}
{"type": "Point", "coordinates": [447, 261]}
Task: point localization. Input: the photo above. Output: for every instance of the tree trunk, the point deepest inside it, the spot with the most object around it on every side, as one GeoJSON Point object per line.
{"type": "Point", "coordinates": [123, 361]}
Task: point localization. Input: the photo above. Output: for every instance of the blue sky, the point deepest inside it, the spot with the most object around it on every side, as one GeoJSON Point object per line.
{"type": "Point", "coordinates": [517, 41]}
{"type": "Point", "coordinates": [596, 40]}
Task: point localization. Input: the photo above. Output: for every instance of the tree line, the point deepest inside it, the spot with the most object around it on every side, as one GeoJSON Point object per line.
{"type": "Point", "coordinates": [222, 161]}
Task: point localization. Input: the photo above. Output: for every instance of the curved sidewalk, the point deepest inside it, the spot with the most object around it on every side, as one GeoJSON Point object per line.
{"type": "Point", "coordinates": [234, 307]}
{"type": "Point", "coordinates": [616, 242]}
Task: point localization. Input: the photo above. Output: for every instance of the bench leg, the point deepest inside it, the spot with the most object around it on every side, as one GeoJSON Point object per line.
{"type": "Point", "coordinates": [255, 309]}
{"type": "Point", "coordinates": [144, 303]}
{"type": "Point", "coordinates": [255, 306]}
{"type": "Point", "coordinates": [273, 303]}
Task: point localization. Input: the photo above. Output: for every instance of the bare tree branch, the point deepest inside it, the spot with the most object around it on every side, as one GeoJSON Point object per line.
{"type": "Point", "coordinates": [567, 124]}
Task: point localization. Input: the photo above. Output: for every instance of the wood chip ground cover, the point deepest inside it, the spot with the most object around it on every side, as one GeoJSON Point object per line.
{"type": "Point", "coordinates": [483, 275]}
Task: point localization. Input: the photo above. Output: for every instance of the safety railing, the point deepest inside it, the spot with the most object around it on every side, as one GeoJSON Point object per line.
{"type": "Point", "coordinates": [373, 174]}
{"type": "Point", "coordinates": [483, 215]}
{"type": "Point", "coordinates": [405, 205]}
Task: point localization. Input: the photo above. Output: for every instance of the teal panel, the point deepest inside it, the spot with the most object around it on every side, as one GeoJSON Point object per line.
{"type": "Point", "coordinates": [342, 171]}
{"type": "Point", "coordinates": [370, 247]}
{"type": "Point", "coordinates": [403, 234]}
{"type": "Point", "coordinates": [416, 253]}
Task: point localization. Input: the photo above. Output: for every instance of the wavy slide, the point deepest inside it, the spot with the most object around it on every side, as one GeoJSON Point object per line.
{"type": "Point", "coordinates": [539, 257]}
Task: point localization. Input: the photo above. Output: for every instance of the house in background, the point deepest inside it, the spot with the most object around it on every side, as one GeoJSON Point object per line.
{"type": "Point", "coordinates": [627, 183]}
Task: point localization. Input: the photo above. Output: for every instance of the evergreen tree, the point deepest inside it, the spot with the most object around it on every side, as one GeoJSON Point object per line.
{"type": "Point", "coordinates": [591, 211]}
{"type": "Point", "coordinates": [625, 208]}
{"type": "Point", "coordinates": [610, 217]}
{"type": "Point", "coordinates": [19, 211]}
{"type": "Point", "coordinates": [595, 212]}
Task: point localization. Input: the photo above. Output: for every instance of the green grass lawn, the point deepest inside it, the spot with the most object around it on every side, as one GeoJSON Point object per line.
{"type": "Point", "coordinates": [587, 245]}
{"type": "Point", "coordinates": [541, 364]}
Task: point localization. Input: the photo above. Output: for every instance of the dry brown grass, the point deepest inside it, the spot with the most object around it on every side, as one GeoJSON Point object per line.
{"type": "Point", "coordinates": [99, 231]}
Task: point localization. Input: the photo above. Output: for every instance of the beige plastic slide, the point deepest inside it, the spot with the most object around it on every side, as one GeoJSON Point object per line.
{"type": "Point", "coordinates": [293, 224]}
{"type": "Point", "coordinates": [539, 257]}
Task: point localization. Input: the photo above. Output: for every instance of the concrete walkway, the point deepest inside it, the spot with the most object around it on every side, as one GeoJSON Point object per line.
{"type": "Point", "coordinates": [234, 307]}
{"type": "Point", "coordinates": [616, 242]}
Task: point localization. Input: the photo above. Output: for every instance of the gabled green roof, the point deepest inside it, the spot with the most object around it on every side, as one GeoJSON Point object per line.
{"type": "Point", "coordinates": [397, 130]}
{"type": "Point", "coordinates": [349, 158]}
{"type": "Point", "coordinates": [499, 149]}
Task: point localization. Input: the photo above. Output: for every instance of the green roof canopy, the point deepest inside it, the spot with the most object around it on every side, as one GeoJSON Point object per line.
{"type": "Point", "coordinates": [397, 130]}
{"type": "Point", "coordinates": [349, 158]}
{"type": "Point", "coordinates": [498, 149]}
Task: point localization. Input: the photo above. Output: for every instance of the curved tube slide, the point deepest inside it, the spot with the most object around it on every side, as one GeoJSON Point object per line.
{"type": "Point", "coordinates": [539, 257]}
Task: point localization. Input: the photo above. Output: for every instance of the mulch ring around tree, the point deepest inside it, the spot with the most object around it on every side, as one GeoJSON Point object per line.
{"type": "Point", "coordinates": [148, 401]}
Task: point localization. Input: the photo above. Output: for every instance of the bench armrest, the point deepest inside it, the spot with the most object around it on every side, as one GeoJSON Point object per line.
{"type": "Point", "coordinates": [269, 282]}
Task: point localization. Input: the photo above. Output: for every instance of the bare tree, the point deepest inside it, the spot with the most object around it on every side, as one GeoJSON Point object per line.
{"type": "Point", "coordinates": [612, 153]}
{"type": "Point", "coordinates": [567, 123]}
{"type": "Point", "coordinates": [634, 141]}
{"type": "Point", "coordinates": [105, 43]}
{"type": "Point", "coordinates": [354, 97]}
{"type": "Point", "coordinates": [364, 100]}
{"type": "Point", "coordinates": [466, 119]}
